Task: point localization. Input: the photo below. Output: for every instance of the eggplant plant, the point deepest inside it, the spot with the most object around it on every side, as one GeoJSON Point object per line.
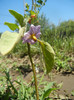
{"type": "Point", "coordinates": [9, 40]}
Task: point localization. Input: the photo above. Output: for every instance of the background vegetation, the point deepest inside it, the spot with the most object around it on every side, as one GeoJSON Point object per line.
{"type": "Point", "coordinates": [61, 39]}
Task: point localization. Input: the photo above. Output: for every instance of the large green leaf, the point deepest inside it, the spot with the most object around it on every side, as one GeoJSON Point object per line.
{"type": "Point", "coordinates": [48, 54]}
{"type": "Point", "coordinates": [8, 41]}
{"type": "Point", "coordinates": [18, 16]}
{"type": "Point", "coordinates": [11, 26]}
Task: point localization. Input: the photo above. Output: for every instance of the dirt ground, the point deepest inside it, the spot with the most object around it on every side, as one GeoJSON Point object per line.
{"type": "Point", "coordinates": [68, 84]}
{"type": "Point", "coordinates": [66, 78]}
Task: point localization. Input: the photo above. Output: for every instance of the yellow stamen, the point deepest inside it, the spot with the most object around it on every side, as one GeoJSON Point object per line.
{"type": "Point", "coordinates": [33, 37]}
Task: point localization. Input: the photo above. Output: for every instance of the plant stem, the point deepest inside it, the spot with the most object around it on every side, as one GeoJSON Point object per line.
{"type": "Point", "coordinates": [35, 5]}
{"type": "Point", "coordinates": [34, 72]}
{"type": "Point", "coordinates": [32, 5]}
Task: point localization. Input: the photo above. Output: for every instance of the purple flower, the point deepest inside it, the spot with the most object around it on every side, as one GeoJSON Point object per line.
{"type": "Point", "coordinates": [32, 35]}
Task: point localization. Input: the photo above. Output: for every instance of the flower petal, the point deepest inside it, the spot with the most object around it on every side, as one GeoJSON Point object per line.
{"type": "Point", "coordinates": [32, 29]}
{"type": "Point", "coordinates": [31, 41]}
{"type": "Point", "coordinates": [38, 35]}
{"type": "Point", "coordinates": [38, 29]}
{"type": "Point", "coordinates": [26, 37]}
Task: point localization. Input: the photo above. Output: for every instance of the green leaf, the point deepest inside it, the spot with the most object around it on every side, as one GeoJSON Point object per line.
{"type": "Point", "coordinates": [72, 92]}
{"type": "Point", "coordinates": [32, 12]}
{"type": "Point", "coordinates": [49, 86]}
{"type": "Point", "coordinates": [8, 41]}
{"type": "Point", "coordinates": [40, 2]}
{"type": "Point", "coordinates": [48, 54]}
{"type": "Point", "coordinates": [18, 16]}
{"type": "Point", "coordinates": [46, 93]}
{"type": "Point", "coordinates": [11, 26]}
{"type": "Point", "coordinates": [27, 7]}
